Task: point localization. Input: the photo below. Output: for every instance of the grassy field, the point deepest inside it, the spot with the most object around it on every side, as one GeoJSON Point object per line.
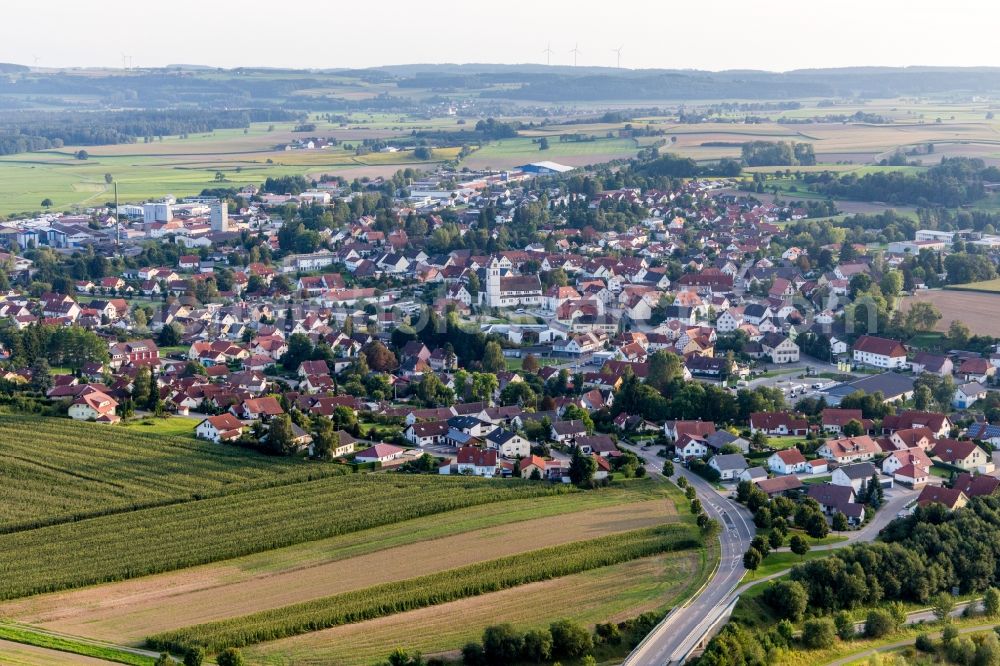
{"type": "Point", "coordinates": [507, 153]}
{"type": "Point", "coordinates": [988, 286]}
{"type": "Point", "coordinates": [174, 426]}
{"type": "Point", "coordinates": [21, 654]}
{"type": "Point", "coordinates": [518, 363]}
{"type": "Point", "coordinates": [125, 612]}
{"type": "Point", "coordinates": [612, 593]}
{"type": "Point", "coordinates": [454, 584]}
{"type": "Point", "coordinates": [26, 636]}
{"type": "Point", "coordinates": [977, 309]}
{"type": "Point", "coordinates": [57, 470]}
{"type": "Point", "coordinates": [138, 543]}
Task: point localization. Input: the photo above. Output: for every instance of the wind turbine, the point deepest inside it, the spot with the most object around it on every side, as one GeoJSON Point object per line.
{"type": "Point", "coordinates": [36, 60]}
{"type": "Point", "coordinates": [575, 51]}
{"type": "Point", "coordinates": [619, 52]}
{"type": "Point", "coordinates": [548, 53]}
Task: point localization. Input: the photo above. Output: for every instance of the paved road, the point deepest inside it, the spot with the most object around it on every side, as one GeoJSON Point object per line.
{"type": "Point", "coordinates": [672, 640]}
{"type": "Point", "coordinates": [676, 636]}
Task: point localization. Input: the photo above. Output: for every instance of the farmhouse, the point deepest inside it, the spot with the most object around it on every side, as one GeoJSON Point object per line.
{"type": "Point", "coordinates": [778, 423]}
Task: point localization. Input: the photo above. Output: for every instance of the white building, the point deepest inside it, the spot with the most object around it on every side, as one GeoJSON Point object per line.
{"type": "Point", "coordinates": [157, 212]}
{"type": "Point", "coordinates": [220, 216]}
{"type": "Point", "coordinates": [510, 291]}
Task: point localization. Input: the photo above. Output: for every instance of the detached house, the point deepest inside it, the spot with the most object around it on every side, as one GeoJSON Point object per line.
{"type": "Point", "coordinates": [221, 428]}
{"type": "Point", "coordinates": [849, 449]}
{"type": "Point", "coordinates": [787, 461]}
{"type": "Point", "coordinates": [963, 454]}
{"type": "Point", "coordinates": [778, 423]}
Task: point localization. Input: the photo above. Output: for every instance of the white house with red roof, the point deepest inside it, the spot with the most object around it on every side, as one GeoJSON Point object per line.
{"type": "Point", "coordinates": [787, 461]}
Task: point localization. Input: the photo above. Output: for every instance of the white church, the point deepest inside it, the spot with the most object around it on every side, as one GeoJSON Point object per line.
{"type": "Point", "coordinates": [511, 290]}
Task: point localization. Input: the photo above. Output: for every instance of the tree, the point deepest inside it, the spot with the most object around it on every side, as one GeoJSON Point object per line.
{"type": "Point", "coordinates": [991, 602]}
{"type": "Point", "coordinates": [537, 646]}
{"type": "Point", "coordinates": [664, 367]}
{"type": "Point", "coordinates": [958, 334]}
{"type": "Point", "coordinates": [502, 644]}
{"type": "Point", "coordinates": [230, 657]}
{"type": "Point", "coordinates": [493, 360]}
{"type": "Point", "coordinates": [816, 526]}
{"type": "Point", "coordinates": [82, 155]}
{"type": "Point", "coordinates": [163, 660]}
{"type": "Point", "coordinates": [170, 335]}
{"type": "Point", "coordinates": [46, 203]}
{"type": "Point", "coordinates": [108, 178]}
{"type": "Point", "coordinates": [818, 634]}
{"type": "Point", "coordinates": [280, 435]}
{"type": "Point", "coordinates": [530, 364]}
{"type": "Point", "coordinates": [379, 357]}
{"type": "Point", "coordinates": [569, 639]}
{"type": "Point", "coordinates": [942, 606]}
{"type": "Point", "coordinates": [581, 468]}
{"type": "Point", "coordinates": [194, 656]}
{"type": "Point", "coordinates": [775, 539]}
{"type": "Point", "coordinates": [325, 439]}
{"type": "Point", "coordinates": [752, 559]}
{"type": "Point", "coordinates": [788, 598]}
{"type": "Point", "coordinates": [41, 376]}
{"type": "Point", "coordinates": [543, 143]}
{"type": "Point", "coordinates": [668, 468]}
{"type": "Point", "coordinates": [839, 522]}
{"type": "Point", "coordinates": [853, 428]}
{"type": "Point", "coordinates": [798, 545]}
{"type": "Point", "coordinates": [922, 316]}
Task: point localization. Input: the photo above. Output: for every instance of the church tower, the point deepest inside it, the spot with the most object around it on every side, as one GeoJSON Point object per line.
{"type": "Point", "coordinates": [493, 283]}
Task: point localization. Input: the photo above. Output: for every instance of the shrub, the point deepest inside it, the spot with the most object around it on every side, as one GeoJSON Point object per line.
{"type": "Point", "coordinates": [608, 633]}
{"type": "Point", "coordinates": [845, 625]}
{"type": "Point", "coordinates": [818, 634]}
{"type": "Point", "coordinates": [230, 657]}
{"type": "Point", "coordinates": [879, 623]}
{"type": "Point", "coordinates": [472, 655]}
{"type": "Point", "coordinates": [924, 643]}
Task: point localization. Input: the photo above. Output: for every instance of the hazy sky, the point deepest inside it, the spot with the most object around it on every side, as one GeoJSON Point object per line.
{"type": "Point", "coordinates": [705, 34]}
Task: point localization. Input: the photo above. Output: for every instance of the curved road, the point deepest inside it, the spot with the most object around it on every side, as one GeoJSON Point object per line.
{"type": "Point", "coordinates": [677, 635]}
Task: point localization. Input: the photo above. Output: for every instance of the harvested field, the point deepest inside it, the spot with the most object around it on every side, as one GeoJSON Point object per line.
{"type": "Point", "coordinates": [128, 611]}
{"type": "Point", "coordinates": [18, 654]}
{"type": "Point", "coordinates": [980, 311]}
{"type": "Point", "coordinates": [608, 594]}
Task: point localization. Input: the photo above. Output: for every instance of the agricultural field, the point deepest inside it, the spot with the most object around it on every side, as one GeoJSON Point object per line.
{"type": "Point", "coordinates": [988, 286]}
{"type": "Point", "coordinates": [20, 654]}
{"type": "Point", "coordinates": [53, 472]}
{"type": "Point", "coordinates": [613, 593]}
{"type": "Point", "coordinates": [429, 590]}
{"type": "Point", "coordinates": [128, 611]}
{"type": "Point", "coordinates": [186, 166]}
{"type": "Point", "coordinates": [977, 309]}
{"type": "Point", "coordinates": [128, 545]}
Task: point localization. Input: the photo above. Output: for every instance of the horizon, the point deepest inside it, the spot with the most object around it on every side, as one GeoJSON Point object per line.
{"type": "Point", "coordinates": [727, 36]}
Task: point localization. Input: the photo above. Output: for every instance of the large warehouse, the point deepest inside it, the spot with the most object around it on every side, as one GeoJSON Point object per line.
{"type": "Point", "coordinates": [544, 168]}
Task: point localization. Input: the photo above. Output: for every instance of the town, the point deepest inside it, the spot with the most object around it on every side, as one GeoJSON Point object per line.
{"type": "Point", "coordinates": [492, 364]}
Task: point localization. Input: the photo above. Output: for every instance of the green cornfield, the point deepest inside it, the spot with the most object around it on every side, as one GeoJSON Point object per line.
{"type": "Point", "coordinates": [56, 470]}
{"type": "Point", "coordinates": [138, 543]}
{"type": "Point", "coordinates": [430, 590]}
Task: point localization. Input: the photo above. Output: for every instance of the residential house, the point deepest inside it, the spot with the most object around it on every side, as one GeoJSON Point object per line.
{"type": "Point", "coordinates": [729, 466]}
{"type": "Point", "coordinates": [221, 428]}
{"type": "Point", "coordinates": [508, 443]}
{"type": "Point", "coordinates": [778, 423]}
{"type": "Point", "coordinates": [787, 461]}
{"type": "Point", "coordinates": [968, 394]}
{"type": "Point", "coordinates": [426, 433]}
{"type": "Point", "coordinates": [963, 454]}
{"type": "Point", "coordinates": [879, 352]}
{"type": "Point", "coordinates": [856, 476]}
{"type": "Point", "coordinates": [849, 449]}
{"type": "Point", "coordinates": [379, 453]}
{"type": "Point", "coordinates": [949, 497]}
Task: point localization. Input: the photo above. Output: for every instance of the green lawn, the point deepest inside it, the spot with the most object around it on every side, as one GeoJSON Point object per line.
{"type": "Point", "coordinates": [784, 441]}
{"type": "Point", "coordinates": [518, 363]}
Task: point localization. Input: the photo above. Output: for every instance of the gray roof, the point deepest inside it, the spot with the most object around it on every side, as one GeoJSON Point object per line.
{"type": "Point", "coordinates": [889, 384]}
{"type": "Point", "coordinates": [730, 461]}
{"type": "Point", "coordinates": [863, 470]}
{"type": "Point", "coordinates": [757, 473]}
